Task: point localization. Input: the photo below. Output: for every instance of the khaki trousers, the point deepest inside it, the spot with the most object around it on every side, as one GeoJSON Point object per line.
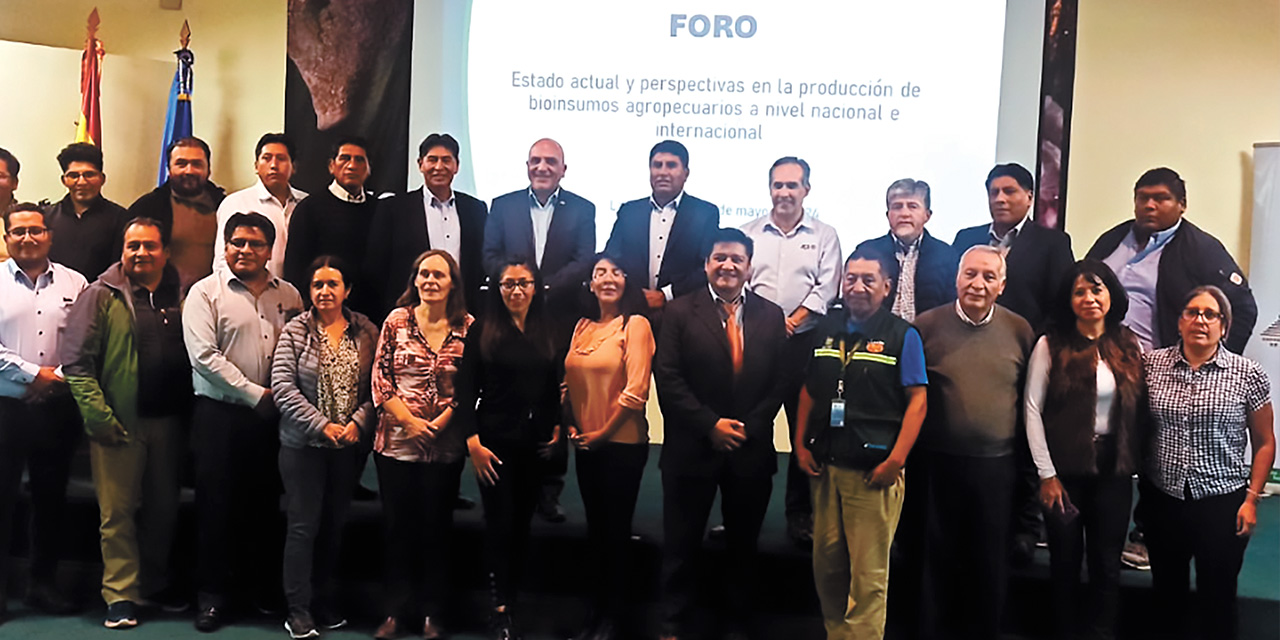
{"type": "Point", "coordinates": [853, 527]}
{"type": "Point", "coordinates": [141, 475]}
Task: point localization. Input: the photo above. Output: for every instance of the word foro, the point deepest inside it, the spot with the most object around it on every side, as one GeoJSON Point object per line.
{"type": "Point", "coordinates": [699, 26]}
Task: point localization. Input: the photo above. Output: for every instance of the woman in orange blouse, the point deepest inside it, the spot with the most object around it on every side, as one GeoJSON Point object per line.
{"type": "Point", "coordinates": [607, 375]}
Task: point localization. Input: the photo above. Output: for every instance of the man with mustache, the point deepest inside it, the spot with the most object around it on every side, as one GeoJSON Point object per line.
{"type": "Point", "coordinates": [272, 195]}
{"type": "Point", "coordinates": [39, 422]}
{"type": "Point", "coordinates": [186, 207]}
{"type": "Point", "coordinates": [231, 322]}
{"type": "Point", "coordinates": [977, 353]}
{"type": "Point", "coordinates": [926, 265]}
{"type": "Point", "coordinates": [721, 374]}
{"type": "Point", "coordinates": [336, 222]}
{"type": "Point", "coordinates": [860, 411]}
{"type": "Point", "coordinates": [88, 226]}
{"type": "Point", "coordinates": [432, 217]}
{"type": "Point", "coordinates": [660, 240]}
{"type": "Point", "coordinates": [125, 362]}
{"type": "Point", "coordinates": [797, 267]}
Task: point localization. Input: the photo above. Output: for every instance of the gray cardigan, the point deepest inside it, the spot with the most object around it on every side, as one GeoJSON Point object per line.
{"type": "Point", "coordinates": [295, 372]}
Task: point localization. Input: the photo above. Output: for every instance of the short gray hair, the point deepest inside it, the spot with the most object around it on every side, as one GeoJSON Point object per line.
{"type": "Point", "coordinates": [908, 187]}
{"type": "Point", "coordinates": [990, 250]}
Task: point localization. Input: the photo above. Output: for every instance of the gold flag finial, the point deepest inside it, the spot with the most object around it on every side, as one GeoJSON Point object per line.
{"type": "Point", "coordinates": [184, 36]}
{"type": "Point", "coordinates": [94, 21]}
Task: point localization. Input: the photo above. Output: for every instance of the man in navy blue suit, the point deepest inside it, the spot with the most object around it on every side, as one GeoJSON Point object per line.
{"type": "Point", "coordinates": [661, 240]}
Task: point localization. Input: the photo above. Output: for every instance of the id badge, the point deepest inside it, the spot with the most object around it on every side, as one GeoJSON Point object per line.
{"type": "Point", "coordinates": [837, 413]}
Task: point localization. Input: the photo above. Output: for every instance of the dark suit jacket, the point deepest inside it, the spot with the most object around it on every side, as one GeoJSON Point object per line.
{"type": "Point", "coordinates": [398, 235]}
{"type": "Point", "coordinates": [696, 386]}
{"type": "Point", "coordinates": [1036, 263]}
{"type": "Point", "coordinates": [935, 270]}
{"type": "Point", "coordinates": [571, 239]}
{"type": "Point", "coordinates": [1191, 259]}
{"type": "Point", "coordinates": [682, 267]}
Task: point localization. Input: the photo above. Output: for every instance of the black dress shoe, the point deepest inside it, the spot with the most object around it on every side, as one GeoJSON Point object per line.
{"type": "Point", "coordinates": [208, 620]}
{"type": "Point", "coordinates": [551, 511]}
{"type": "Point", "coordinates": [716, 533]}
{"type": "Point", "coordinates": [463, 503]}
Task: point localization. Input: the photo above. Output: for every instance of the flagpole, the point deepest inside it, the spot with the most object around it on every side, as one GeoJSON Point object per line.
{"type": "Point", "coordinates": [89, 127]}
{"type": "Point", "coordinates": [178, 119]}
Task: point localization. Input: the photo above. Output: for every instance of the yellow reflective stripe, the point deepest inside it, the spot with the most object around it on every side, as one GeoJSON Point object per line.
{"type": "Point", "coordinates": [874, 357]}
{"type": "Point", "coordinates": [826, 353]}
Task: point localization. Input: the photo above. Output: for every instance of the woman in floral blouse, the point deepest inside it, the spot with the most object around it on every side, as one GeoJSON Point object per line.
{"type": "Point", "coordinates": [320, 379]}
{"type": "Point", "coordinates": [418, 453]}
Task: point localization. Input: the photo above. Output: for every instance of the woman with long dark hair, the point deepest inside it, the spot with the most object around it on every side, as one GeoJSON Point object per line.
{"type": "Point", "coordinates": [607, 373]}
{"type": "Point", "coordinates": [1084, 405]}
{"type": "Point", "coordinates": [320, 377]}
{"type": "Point", "coordinates": [508, 398]}
{"type": "Point", "coordinates": [419, 447]}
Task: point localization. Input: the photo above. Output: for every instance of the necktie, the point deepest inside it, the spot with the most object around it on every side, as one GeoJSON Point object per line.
{"type": "Point", "coordinates": [735, 336]}
{"type": "Point", "coordinates": [904, 306]}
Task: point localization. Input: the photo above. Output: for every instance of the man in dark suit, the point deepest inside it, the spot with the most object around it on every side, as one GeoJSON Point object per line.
{"type": "Point", "coordinates": [1036, 259]}
{"type": "Point", "coordinates": [720, 385]}
{"type": "Point", "coordinates": [1037, 256]}
{"type": "Point", "coordinates": [557, 230]}
{"type": "Point", "coordinates": [433, 217]}
{"type": "Point", "coordinates": [926, 265]}
{"type": "Point", "coordinates": [549, 225]}
{"type": "Point", "coordinates": [661, 240]}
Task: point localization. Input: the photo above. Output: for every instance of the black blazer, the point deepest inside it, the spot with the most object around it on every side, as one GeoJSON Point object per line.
{"type": "Point", "coordinates": [1191, 259]}
{"type": "Point", "coordinates": [1036, 263]}
{"type": "Point", "coordinates": [571, 239]}
{"type": "Point", "coordinates": [935, 270]}
{"type": "Point", "coordinates": [695, 225]}
{"type": "Point", "coordinates": [398, 235]}
{"type": "Point", "coordinates": [696, 386]}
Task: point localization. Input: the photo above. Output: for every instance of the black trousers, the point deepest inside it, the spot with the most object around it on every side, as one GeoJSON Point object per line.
{"type": "Point", "coordinates": [609, 479]}
{"type": "Point", "coordinates": [318, 483]}
{"type": "Point", "coordinates": [686, 505]}
{"type": "Point", "coordinates": [508, 511]}
{"type": "Point", "coordinates": [1096, 534]}
{"type": "Point", "coordinates": [1178, 531]}
{"type": "Point", "coordinates": [417, 512]}
{"type": "Point", "coordinates": [966, 546]}
{"type": "Point", "coordinates": [1028, 521]}
{"type": "Point", "coordinates": [41, 438]}
{"type": "Point", "coordinates": [237, 501]}
{"type": "Point", "coordinates": [796, 354]}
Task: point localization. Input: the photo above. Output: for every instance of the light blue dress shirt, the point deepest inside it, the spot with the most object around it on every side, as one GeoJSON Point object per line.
{"type": "Point", "coordinates": [32, 317]}
{"type": "Point", "coordinates": [1138, 270]}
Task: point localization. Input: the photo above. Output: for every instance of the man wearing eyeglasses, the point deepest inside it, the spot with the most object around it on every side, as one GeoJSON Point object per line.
{"type": "Point", "coordinates": [230, 324]}
{"type": "Point", "coordinates": [39, 422]}
{"type": "Point", "coordinates": [88, 226]}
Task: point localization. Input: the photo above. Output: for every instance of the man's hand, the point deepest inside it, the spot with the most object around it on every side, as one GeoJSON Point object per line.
{"type": "Point", "coordinates": [43, 385]}
{"type": "Point", "coordinates": [655, 298]}
{"type": "Point", "coordinates": [546, 449]}
{"type": "Point", "coordinates": [804, 458]}
{"type": "Point", "coordinates": [728, 434]}
{"type": "Point", "coordinates": [484, 461]}
{"type": "Point", "coordinates": [884, 475]}
{"type": "Point", "coordinates": [266, 406]}
{"type": "Point", "coordinates": [796, 318]}
{"type": "Point", "coordinates": [115, 435]}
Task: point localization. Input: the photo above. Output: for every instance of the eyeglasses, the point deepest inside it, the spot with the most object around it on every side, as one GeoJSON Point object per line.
{"type": "Point", "coordinates": [512, 285]}
{"type": "Point", "coordinates": [240, 243]}
{"type": "Point", "coordinates": [1209, 315]}
{"type": "Point", "coordinates": [74, 176]}
{"type": "Point", "coordinates": [34, 232]}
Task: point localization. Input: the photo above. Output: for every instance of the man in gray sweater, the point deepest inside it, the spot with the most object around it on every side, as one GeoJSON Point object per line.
{"type": "Point", "coordinates": [976, 352]}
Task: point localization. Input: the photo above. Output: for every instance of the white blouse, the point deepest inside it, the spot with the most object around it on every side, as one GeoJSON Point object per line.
{"type": "Point", "coordinates": [1037, 386]}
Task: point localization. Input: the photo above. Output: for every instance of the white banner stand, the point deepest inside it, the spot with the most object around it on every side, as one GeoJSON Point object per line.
{"type": "Point", "coordinates": [1264, 273]}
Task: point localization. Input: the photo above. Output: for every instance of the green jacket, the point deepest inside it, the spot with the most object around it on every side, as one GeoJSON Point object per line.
{"type": "Point", "coordinates": [99, 355]}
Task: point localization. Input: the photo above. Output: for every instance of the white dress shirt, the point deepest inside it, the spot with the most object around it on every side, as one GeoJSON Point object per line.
{"type": "Point", "coordinates": [346, 196]}
{"type": "Point", "coordinates": [231, 335]}
{"type": "Point", "coordinates": [660, 223]}
{"type": "Point", "coordinates": [444, 231]}
{"type": "Point", "coordinates": [32, 317]}
{"type": "Point", "coordinates": [540, 215]}
{"type": "Point", "coordinates": [257, 199]}
{"type": "Point", "coordinates": [800, 268]}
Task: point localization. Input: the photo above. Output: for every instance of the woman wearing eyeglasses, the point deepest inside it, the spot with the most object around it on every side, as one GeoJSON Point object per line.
{"type": "Point", "coordinates": [1209, 407]}
{"type": "Point", "coordinates": [1085, 401]}
{"type": "Point", "coordinates": [508, 400]}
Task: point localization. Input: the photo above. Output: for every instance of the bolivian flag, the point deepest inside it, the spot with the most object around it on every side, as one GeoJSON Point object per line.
{"type": "Point", "coordinates": [89, 129]}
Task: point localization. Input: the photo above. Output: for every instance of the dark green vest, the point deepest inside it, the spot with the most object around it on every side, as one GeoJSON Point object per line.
{"type": "Point", "coordinates": [863, 369]}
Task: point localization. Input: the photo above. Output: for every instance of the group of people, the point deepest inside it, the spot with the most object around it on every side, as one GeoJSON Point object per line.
{"type": "Point", "coordinates": [943, 400]}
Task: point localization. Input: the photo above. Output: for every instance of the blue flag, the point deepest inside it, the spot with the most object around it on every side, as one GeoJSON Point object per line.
{"type": "Point", "coordinates": [177, 124]}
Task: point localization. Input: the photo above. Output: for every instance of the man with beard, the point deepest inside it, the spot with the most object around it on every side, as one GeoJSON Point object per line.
{"type": "Point", "coordinates": [271, 195]}
{"type": "Point", "coordinates": [721, 378]}
{"type": "Point", "coordinates": [231, 322]}
{"type": "Point", "coordinates": [124, 360]}
{"type": "Point", "coordinates": [186, 207]}
{"type": "Point", "coordinates": [861, 408]}
{"type": "Point", "coordinates": [88, 227]}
